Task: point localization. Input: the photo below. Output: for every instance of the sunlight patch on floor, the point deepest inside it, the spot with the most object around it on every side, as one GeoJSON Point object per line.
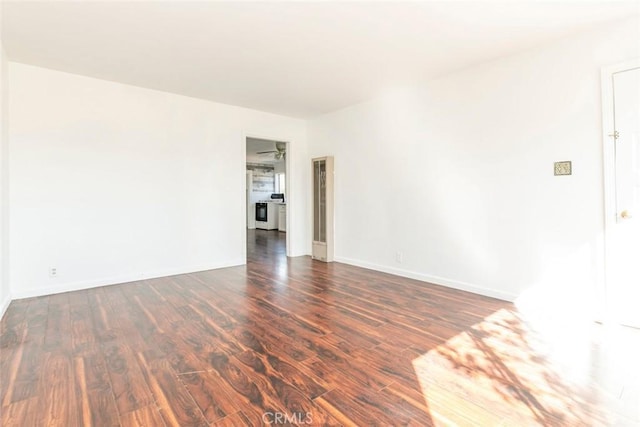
{"type": "Point", "coordinates": [501, 372]}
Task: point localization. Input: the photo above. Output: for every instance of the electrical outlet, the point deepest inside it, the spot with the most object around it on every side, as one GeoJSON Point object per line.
{"type": "Point", "coordinates": [399, 257]}
{"type": "Point", "coordinates": [53, 272]}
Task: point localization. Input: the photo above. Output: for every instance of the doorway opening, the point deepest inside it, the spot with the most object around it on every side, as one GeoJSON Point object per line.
{"type": "Point", "coordinates": [267, 198]}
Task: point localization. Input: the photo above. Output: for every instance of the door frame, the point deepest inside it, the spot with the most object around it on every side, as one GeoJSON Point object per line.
{"type": "Point", "coordinates": [609, 172]}
{"type": "Point", "coordinates": [288, 161]}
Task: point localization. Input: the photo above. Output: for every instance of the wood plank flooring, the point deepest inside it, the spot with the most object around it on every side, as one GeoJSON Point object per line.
{"type": "Point", "coordinates": [294, 341]}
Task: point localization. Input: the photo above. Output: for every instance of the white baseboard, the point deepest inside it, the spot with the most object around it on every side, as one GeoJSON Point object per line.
{"type": "Point", "coordinates": [107, 281]}
{"type": "Point", "coordinates": [94, 283]}
{"type": "Point", "coordinates": [436, 280]}
{"type": "Point", "coordinates": [4, 305]}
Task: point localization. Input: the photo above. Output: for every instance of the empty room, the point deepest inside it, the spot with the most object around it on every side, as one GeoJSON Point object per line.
{"type": "Point", "coordinates": [356, 213]}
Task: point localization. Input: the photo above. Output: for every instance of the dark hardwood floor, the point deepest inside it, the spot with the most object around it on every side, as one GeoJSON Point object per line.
{"type": "Point", "coordinates": [294, 341]}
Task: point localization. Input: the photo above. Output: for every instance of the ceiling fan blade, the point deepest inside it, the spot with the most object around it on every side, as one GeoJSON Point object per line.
{"type": "Point", "coordinates": [266, 152]}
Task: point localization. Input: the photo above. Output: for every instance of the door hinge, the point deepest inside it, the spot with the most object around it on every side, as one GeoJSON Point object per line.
{"type": "Point", "coordinates": [615, 135]}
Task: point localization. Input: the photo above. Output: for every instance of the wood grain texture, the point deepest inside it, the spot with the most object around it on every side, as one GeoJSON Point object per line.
{"type": "Point", "coordinates": [294, 341]}
{"type": "Point", "coordinates": [147, 416]}
{"type": "Point", "coordinates": [214, 396]}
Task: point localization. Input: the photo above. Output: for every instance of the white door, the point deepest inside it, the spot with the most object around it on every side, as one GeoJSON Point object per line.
{"type": "Point", "coordinates": [623, 233]}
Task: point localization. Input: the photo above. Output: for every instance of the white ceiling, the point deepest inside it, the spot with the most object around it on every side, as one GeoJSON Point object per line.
{"type": "Point", "coordinates": [295, 58]}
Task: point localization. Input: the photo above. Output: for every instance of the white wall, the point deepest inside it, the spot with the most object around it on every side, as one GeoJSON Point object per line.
{"type": "Point", "coordinates": [279, 166]}
{"type": "Point", "coordinates": [5, 297]}
{"type": "Point", "coordinates": [458, 174]}
{"type": "Point", "coordinates": [110, 182]}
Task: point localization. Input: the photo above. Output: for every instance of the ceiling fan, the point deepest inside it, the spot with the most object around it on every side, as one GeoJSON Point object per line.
{"type": "Point", "coordinates": [279, 153]}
